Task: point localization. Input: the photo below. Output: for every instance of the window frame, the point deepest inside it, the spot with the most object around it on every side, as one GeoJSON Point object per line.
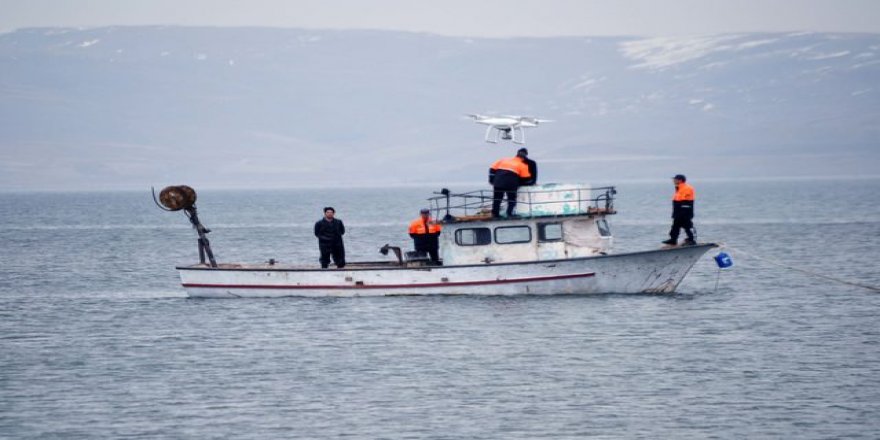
{"type": "Point", "coordinates": [542, 228]}
{"type": "Point", "coordinates": [476, 235]}
{"type": "Point", "coordinates": [527, 227]}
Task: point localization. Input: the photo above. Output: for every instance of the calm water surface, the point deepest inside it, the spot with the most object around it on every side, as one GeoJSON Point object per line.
{"type": "Point", "coordinates": [97, 339]}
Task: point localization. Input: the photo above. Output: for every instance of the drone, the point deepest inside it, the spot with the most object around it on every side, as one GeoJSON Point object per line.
{"type": "Point", "coordinates": [507, 126]}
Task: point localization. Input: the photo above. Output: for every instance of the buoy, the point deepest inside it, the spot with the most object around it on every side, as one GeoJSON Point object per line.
{"type": "Point", "coordinates": [723, 260]}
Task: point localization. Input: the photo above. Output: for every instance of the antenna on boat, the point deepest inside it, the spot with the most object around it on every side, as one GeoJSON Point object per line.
{"type": "Point", "coordinates": [445, 192]}
{"type": "Point", "coordinates": [182, 197]}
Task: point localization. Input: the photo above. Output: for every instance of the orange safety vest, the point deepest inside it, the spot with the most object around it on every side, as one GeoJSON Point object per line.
{"type": "Point", "coordinates": [683, 193]}
{"type": "Point", "coordinates": [418, 227]}
{"type": "Point", "coordinates": [513, 164]}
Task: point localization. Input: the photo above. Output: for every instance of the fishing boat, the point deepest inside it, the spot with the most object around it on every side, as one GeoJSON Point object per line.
{"type": "Point", "coordinates": [558, 241]}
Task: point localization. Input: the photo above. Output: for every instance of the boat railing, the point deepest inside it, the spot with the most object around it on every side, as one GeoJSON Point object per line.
{"type": "Point", "coordinates": [476, 205]}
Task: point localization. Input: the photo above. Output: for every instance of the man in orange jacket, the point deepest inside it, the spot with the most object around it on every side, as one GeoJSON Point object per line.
{"type": "Point", "coordinates": [506, 175]}
{"type": "Point", "coordinates": [682, 211]}
{"type": "Point", "coordinates": [425, 234]}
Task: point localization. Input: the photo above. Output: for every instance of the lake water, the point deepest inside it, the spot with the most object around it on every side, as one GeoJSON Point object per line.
{"type": "Point", "coordinates": [97, 339]}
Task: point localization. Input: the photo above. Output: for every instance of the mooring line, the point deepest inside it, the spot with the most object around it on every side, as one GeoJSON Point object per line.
{"type": "Point", "coordinates": [808, 272]}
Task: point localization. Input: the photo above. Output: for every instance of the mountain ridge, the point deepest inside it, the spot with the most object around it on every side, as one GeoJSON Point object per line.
{"type": "Point", "coordinates": [122, 106]}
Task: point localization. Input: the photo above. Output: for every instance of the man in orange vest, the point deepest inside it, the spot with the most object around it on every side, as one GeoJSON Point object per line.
{"type": "Point", "coordinates": [425, 234]}
{"type": "Point", "coordinates": [682, 211]}
{"type": "Point", "coordinates": [505, 175]}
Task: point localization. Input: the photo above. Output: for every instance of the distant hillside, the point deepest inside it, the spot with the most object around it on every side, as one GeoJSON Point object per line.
{"type": "Point", "coordinates": [255, 107]}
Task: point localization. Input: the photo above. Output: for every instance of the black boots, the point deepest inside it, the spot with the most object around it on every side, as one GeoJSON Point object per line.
{"type": "Point", "coordinates": [687, 242]}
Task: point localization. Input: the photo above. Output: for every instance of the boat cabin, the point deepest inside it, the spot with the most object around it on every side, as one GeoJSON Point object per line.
{"type": "Point", "coordinates": [551, 222]}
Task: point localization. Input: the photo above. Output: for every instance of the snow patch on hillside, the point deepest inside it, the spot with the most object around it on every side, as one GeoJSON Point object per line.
{"type": "Point", "coordinates": [755, 43]}
{"type": "Point", "coordinates": [663, 52]}
{"type": "Point", "coordinates": [827, 56]}
{"type": "Point", "coordinates": [306, 39]}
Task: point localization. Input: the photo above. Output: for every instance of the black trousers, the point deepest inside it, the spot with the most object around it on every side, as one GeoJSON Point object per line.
{"type": "Point", "coordinates": [682, 222]}
{"type": "Point", "coordinates": [497, 196]}
{"type": "Point", "coordinates": [431, 251]}
{"type": "Point", "coordinates": [336, 250]}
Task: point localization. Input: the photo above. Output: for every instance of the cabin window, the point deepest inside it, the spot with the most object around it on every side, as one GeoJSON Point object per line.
{"type": "Point", "coordinates": [513, 234]}
{"type": "Point", "coordinates": [604, 229]}
{"type": "Point", "coordinates": [473, 236]}
{"type": "Point", "coordinates": [549, 231]}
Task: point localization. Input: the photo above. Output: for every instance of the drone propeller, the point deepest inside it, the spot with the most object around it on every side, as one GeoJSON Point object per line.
{"type": "Point", "coordinates": [534, 119]}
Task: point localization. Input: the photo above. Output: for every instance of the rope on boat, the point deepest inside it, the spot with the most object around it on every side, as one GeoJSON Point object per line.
{"type": "Point", "coordinates": [798, 269]}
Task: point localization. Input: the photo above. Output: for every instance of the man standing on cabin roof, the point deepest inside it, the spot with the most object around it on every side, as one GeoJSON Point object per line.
{"type": "Point", "coordinates": [425, 233]}
{"type": "Point", "coordinates": [505, 176]}
{"type": "Point", "coordinates": [329, 231]}
{"type": "Point", "coordinates": [533, 168]}
{"type": "Point", "coordinates": [682, 211]}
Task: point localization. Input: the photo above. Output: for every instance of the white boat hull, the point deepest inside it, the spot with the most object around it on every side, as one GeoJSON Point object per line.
{"type": "Point", "coordinates": [657, 271]}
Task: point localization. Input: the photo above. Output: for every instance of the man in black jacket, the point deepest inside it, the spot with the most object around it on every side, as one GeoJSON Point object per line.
{"type": "Point", "coordinates": [533, 168]}
{"type": "Point", "coordinates": [329, 231]}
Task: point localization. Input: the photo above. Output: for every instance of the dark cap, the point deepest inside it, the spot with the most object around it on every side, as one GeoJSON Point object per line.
{"type": "Point", "coordinates": [522, 151]}
{"type": "Point", "coordinates": [680, 177]}
{"type": "Point", "coordinates": [425, 211]}
{"type": "Point", "coordinates": [329, 208]}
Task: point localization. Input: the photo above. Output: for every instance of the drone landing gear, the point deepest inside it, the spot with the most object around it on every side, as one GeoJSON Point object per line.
{"type": "Point", "coordinates": [515, 134]}
{"type": "Point", "coordinates": [488, 132]}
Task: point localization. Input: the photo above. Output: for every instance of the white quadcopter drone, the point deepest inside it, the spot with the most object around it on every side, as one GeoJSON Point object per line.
{"type": "Point", "coordinates": [507, 126]}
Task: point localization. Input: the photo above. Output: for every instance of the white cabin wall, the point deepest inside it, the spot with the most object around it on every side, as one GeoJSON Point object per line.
{"type": "Point", "coordinates": [453, 254]}
{"type": "Point", "coordinates": [581, 238]}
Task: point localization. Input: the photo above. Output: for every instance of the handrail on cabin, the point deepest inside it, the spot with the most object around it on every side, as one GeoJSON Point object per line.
{"type": "Point", "coordinates": [451, 206]}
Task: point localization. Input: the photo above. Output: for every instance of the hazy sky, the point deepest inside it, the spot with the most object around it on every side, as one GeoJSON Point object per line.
{"type": "Point", "coordinates": [487, 18]}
